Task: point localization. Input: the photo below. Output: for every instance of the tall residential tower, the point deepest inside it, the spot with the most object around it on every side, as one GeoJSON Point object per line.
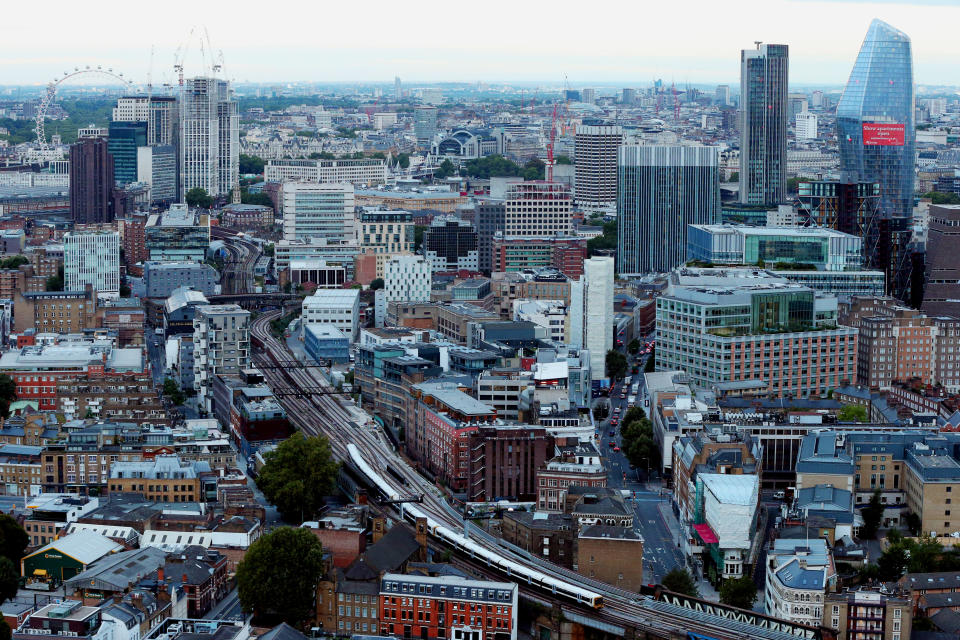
{"type": "Point", "coordinates": [763, 124]}
{"type": "Point", "coordinates": [209, 137]}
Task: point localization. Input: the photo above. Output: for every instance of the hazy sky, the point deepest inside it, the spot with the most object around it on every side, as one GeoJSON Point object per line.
{"type": "Point", "coordinates": [494, 40]}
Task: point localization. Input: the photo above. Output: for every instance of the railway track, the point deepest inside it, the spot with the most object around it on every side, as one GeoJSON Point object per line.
{"type": "Point", "coordinates": [342, 424]}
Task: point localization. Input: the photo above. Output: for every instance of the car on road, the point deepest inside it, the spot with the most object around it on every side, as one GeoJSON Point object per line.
{"type": "Point", "coordinates": [779, 495]}
{"type": "Point", "coordinates": [616, 449]}
{"type": "Point", "coordinates": [612, 444]}
{"type": "Point", "coordinates": [613, 432]}
{"type": "Point", "coordinates": [614, 421]}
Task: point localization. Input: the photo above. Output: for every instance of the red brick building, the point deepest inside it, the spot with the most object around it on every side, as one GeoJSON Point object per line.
{"type": "Point", "coordinates": [134, 240]}
{"type": "Point", "coordinates": [575, 464]}
{"type": "Point", "coordinates": [447, 607]}
{"type": "Point", "coordinates": [37, 370]}
{"type": "Point", "coordinates": [504, 460]}
{"type": "Point", "coordinates": [441, 418]}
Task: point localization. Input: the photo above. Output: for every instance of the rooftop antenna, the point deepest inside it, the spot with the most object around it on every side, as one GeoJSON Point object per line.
{"type": "Point", "coordinates": [758, 43]}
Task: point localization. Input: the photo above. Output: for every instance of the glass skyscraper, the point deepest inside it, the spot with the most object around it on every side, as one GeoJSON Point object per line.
{"type": "Point", "coordinates": [764, 73]}
{"type": "Point", "coordinates": [125, 138]}
{"type": "Point", "coordinates": [875, 120]}
{"type": "Point", "coordinates": [661, 190]}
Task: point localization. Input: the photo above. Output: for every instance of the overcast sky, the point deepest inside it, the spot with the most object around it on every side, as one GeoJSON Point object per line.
{"type": "Point", "coordinates": [617, 41]}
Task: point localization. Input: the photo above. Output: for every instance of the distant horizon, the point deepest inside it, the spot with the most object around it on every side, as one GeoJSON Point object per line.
{"type": "Point", "coordinates": [626, 44]}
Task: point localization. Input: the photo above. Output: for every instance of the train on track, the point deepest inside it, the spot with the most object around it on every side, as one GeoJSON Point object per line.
{"type": "Point", "coordinates": [512, 570]}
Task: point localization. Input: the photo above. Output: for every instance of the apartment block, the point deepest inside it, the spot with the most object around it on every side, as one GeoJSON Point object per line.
{"type": "Point", "coordinates": [221, 345]}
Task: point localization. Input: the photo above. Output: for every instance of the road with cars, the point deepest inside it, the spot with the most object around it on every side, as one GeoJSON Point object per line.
{"type": "Point", "coordinates": [650, 502]}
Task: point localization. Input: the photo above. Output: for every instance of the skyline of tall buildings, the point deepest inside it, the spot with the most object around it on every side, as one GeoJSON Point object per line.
{"type": "Point", "coordinates": [764, 77]}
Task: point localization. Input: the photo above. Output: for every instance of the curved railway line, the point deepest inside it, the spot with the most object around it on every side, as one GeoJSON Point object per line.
{"type": "Point", "coordinates": [354, 437]}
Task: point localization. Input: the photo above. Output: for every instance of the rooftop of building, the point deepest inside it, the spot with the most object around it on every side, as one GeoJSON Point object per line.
{"type": "Point", "coordinates": [51, 357]}
{"type": "Point", "coordinates": [325, 332]}
{"type": "Point", "coordinates": [339, 298]}
{"type": "Point", "coordinates": [610, 532]}
{"type": "Point", "coordinates": [793, 232]}
{"type": "Point", "coordinates": [450, 395]}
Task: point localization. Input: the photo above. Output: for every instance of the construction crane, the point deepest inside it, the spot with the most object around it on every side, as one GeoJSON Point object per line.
{"type": "Point", "coordinates": [553, 133]}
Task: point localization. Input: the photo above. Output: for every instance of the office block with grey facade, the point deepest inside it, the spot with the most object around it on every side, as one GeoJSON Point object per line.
{"type": "Point", "coordinates": [162, 278]}
{"type": "Point", "coordinates": [661, 190]}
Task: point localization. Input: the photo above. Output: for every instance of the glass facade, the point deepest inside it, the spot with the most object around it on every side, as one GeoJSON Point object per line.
{"type": "Point", "coordinates": [763, 129]}
{"type": "Point", "coordinates": [875, 119]}
{"type": "Point", "coordinates": [122, 144]}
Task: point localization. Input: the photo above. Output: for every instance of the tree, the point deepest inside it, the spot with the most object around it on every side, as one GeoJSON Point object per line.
{"type": "Point", "coordinates": [251, 164]}
{"type": "Point", "coordinates": [633, 347]}
{"type": "Point", "coordinates": [939, 197]}
{"type": "Point", "coordinates": [418, 231]}
{"type": "Point", "coordinates": [403, 160]}
{"type": "Point", "coordinates": [376, 283]}
{"type": "Point", "coordinates": [55, 283]}
{"type": "Point", "coordinates": [872, 514]}
{"type": "Point", "coordinates": [172, 390]}
{"type": "Point", "coordinates": [198, 197]}
{"type": "Point", "coordinates": [269, 250]}
{"type": "Point", "coordinates": [735, 176]}
{"type": "Point", "coordinates": [13, 539]}
{"type": "Point", "coordinates": [793, 185]}
{"type": "Point", "coordinates": [297, 475]}
{"type": "Point", "coordinates": [562, 159]}
{"type": "Point", "coordinates": [616, 364]}
{"type": "Point", "coordinates": [9, 579]}
{"type": "Point", "coordinates": [852, 413]}
{"type": "Point", "coordinates": [445, 170]}
{"type": "Point", "coordinates": [680, 581]}
{"type": "Point", "coordinates": [893, 562]}
{"type": "Point", "coordinates": [255, 198]}
{"type": "Point", "coordinates": [651, 363]}
{"type": "Point", "coordinates": [13, 261]}
{"type": "Point", "coordinates": [739, 592]}
{"type": "Point", "coordinates": [125, 290]}
{"type": "Point", "coordinates": [277, 579]}
{"type": "Point", "coordinates": [8, 394]}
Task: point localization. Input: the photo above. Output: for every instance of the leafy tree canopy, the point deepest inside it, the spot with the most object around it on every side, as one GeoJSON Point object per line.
{"type": "Point", "coordinates": [616, 364]}
{"type": "Point", "coordinates": [939, 197]}
{"type": "Point", "coordinates": [680, 581]}
{"type": "Point", "coordinates": [741, 593]}
{"type": "Point", "coordinates": [198, 197]}
{"type": "Point", "coordinates": [297, 475]}
{"type": "Point", "coordinates": [277, 579]}
{"type": "Point", "coordinates": [251, 164]}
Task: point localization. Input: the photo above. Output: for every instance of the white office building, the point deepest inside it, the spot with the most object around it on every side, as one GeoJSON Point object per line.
{"type": "Point", "coordinates": [318, 210]}
{"type": "Point", "coordinates": [337, 307]}
{"type": "Point", "coordinates": [159, 112]}
{"type": "Point", "coordinates": [591, 311]}
{"type": "Point", "coordinates": [209, 137]}
{"type": "Point", "coordinates": [806, 126]}
{"type": "Point", "coordinates": [357, 171]}
{"type": "Point", "coordinates": [405, 279]}
{"type": "Point", "coordinates": [596, 167]}
{"type": "Point", "coordinates": [92, 259]}
{"type": "Point", "coordinates": [799, 573]}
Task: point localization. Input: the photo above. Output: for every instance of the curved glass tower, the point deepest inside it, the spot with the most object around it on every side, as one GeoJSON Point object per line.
{"type": "Point", "coordinates": [875, 125]}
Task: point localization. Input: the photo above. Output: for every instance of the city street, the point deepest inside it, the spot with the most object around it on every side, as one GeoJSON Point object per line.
{"type": "Point", "coordinates": [653, 516]}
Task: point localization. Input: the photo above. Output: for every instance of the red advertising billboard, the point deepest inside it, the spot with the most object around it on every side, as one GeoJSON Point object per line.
{"type": "Point", "coordinates": [882, 134]}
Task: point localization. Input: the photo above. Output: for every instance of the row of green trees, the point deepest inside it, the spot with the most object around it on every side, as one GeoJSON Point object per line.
{"type": "Point", "coordinates": [637, 439]}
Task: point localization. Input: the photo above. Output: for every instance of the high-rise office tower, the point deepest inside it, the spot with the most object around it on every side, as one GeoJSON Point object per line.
{"type": "Point", "coordinates": [159, 112]}
{"type": "Point", "coordinates": [125, 138]}
{"type": "Point", "coordinates": [425, 125]}
{"type": "Point", "coordinates": [313, 210]}
{"type": "Point", "coordinates": [397, 88]}
{"type": "Point", "coordinates": [91, 181]}
{"type": "Point", "coordinates": [209, 137]}
{"type": "Point", "coordinates": [660, 191]}
{"type": "Point", "coordinates": [763, 124]}
{"type": "Point", "coordinates": [629, 96]}
{"type": "Point", "coordinates": [596, 166]}
{"type": "Point", "coordinates": [91, 259]}
{"type": "Point", "coordinates": [875, 126]}
{"type": "Point", "coordinates": [591, 312]}
{"type": "Point", "coordinates": [589, 96]}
